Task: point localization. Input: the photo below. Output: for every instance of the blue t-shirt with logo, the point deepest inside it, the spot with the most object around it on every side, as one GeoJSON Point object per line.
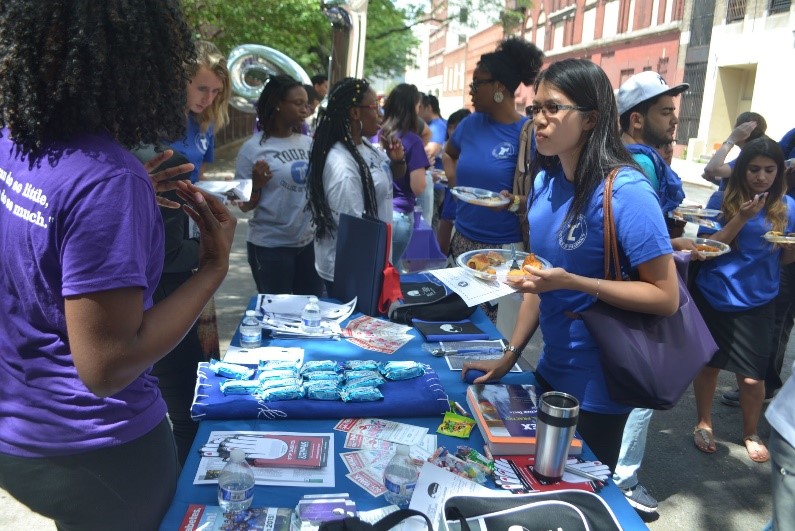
{"type": "Point", "coordinates": [197, 146]}
{"type": "Point", "coordinates": [487, 160]}
{"type": "Point", "coordinates": [570, 361]}
{"type": "Point", "coordinates": [747, 276]}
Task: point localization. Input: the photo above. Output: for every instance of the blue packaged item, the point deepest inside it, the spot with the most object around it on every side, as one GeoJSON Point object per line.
{"type": "Point", "coordinates": [355, 375]}
{"type": "Point", "coordinates": [231, 370]}
{"type": "Point", "coordinates": [281, 374]}
{"type": "Point", "coordinates": [368, 381]}
{"type": "Point", "coordinates": [290, 392]}
{"type": "Point", "coordinates": [239, 387]}
{"type": "Point", "coordinates": [322, 390]}
{"type": "Point", "coordinates": [319, 365]}
{"type": "Point", "coordinates": [322, 375]}
{"type": "Point", "coordinates": [360, 365]}
{"type": "Point", "coordinates": [401, 370]}
{"type": "Point", "coordinates": [362, 394]}
{"type": "Point", "coordinates": [280, 382]}
{"type": "Point", "coordinates": [277, 365]}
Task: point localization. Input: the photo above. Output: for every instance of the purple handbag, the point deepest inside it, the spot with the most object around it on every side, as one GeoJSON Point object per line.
{"type": "Point", "coordinates": [648, 360]}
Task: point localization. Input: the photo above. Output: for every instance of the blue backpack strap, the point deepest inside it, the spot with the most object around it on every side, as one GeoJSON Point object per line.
{"type": "Point", "coordinates": [670, 194]}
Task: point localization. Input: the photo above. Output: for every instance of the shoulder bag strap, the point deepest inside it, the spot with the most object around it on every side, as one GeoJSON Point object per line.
{"type": "Point", "coordinates": [611, 244]}
{"type": "Point", "coordinates": [392, 519]}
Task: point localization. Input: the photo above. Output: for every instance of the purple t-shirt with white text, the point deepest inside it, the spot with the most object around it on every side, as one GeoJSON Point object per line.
{"type": "Point", "coordinates": [83, 220]}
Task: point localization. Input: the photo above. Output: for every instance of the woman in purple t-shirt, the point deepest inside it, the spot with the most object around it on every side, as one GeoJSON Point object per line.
{"type": "Point", "coordinates": [84, 437]}
{"type": "Point", "coordinates": [400, 121]}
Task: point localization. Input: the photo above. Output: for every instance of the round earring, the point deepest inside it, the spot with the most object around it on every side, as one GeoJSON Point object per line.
{"type": "Point", "coordinates": [498, 97]}
{"type": "Point", "coordinates": [278, 109]}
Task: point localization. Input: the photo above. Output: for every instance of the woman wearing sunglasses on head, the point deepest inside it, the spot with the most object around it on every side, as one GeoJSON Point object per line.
{"type": "Point", "coordinates": [578, 144]}
{"type": "Point", "coordinates": [483, 149]}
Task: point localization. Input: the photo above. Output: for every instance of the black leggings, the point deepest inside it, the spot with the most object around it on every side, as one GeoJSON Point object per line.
{"type": "Point", "coordinates": [602, 432]}
{"type": "Point", "coordinates": [124, 488]}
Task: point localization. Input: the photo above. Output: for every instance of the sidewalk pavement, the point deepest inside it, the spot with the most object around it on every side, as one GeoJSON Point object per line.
{"type": "Point", "coordinates": [721, 491]}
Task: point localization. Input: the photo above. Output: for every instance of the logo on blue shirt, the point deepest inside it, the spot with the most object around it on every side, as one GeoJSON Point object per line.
{"type": "Point", "coordinates": [202, 144]}
{"type": "Point", "coordinates": [571, 237]}
{"type": "Point", "coordinates": [299, 171]}
{"type": "Point", "coordinates": [503, 150]}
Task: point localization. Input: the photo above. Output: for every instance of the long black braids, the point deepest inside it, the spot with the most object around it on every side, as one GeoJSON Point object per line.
{"type": "Point", "coordinates": [334, 125]}
{"type": "Point", "coordinates": [272, 94]}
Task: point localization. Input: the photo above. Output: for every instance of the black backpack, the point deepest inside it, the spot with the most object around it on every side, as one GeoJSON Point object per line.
{"type": "Point", "coordinates": [352, 523]}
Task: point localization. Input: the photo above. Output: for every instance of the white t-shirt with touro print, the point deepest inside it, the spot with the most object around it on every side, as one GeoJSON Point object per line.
{"type": "Point", "coordinates": [281, 218]}
{"type": "Point", "coordinates": [343, 187]}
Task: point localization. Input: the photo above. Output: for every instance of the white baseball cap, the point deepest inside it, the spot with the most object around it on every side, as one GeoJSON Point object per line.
{"type": "Point", "coordinates": [644, 86]}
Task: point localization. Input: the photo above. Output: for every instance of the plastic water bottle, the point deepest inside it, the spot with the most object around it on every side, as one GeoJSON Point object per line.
{"type": "Point", "coordinates": [310, 316]}
{"type": "Point", "coordinates": [250, 331]}
{"type": "Point", "coordinates": [400, 477]}
{"type": "Point", "coordinates": [236, 483]}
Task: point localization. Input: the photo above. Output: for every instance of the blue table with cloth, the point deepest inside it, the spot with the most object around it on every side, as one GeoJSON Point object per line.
{"type": "Point", "coordinates": [268, 496]}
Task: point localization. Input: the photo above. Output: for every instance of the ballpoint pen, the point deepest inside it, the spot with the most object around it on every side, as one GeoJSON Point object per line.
{"type": "Point", "coordinates": [583, 474]}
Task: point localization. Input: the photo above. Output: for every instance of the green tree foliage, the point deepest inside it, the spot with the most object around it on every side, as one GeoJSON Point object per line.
{"type": "Point", "coordinates": [299, 29]}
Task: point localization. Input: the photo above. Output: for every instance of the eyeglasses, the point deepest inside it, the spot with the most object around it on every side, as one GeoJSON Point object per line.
{"type": "Point", "coordinates": [551, 109]}
{"type": "Point", "coordinates": [373, 106]}
{"type": "Point", "coordinates": [478, 82]}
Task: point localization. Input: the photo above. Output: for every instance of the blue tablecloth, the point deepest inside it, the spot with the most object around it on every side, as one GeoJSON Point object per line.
{"type": "Point", "coordinates": [188, 493]}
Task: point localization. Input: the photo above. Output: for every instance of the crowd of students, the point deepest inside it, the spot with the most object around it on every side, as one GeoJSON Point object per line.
{"type": "Point", "coordinates": [84, 436]}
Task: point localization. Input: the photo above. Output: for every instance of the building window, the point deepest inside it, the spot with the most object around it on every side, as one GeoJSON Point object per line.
{"type": "Point", "coordinates": [626, 74]}
{"type": "Point", "coordinates": [735, 10]}
{"type": "Point", "coordinates": [779, 6]}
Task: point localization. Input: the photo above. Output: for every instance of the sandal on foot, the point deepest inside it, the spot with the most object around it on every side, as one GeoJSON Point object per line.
{"type": "Point", "coordinates": [756, 448]}
{"type": "Point", "coordinates": [704, 440]}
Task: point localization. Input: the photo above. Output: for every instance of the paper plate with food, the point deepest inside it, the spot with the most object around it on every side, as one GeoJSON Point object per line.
{"type": "Point", "coordinates": [497, 264]}
{"type": "Point", "coordinates": [698, 220]}
{"type": "Point", "coordinates": [710, 248]}
{"type": "Point", "coordinates": [696, 211]}
{"type": "Point", "coordinates": [775, 236]}
{"type": "Point", "coordinates": [479, 196]}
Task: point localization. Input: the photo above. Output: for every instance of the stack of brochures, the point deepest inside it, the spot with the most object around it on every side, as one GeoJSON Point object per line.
{"type": "Point", "coordinates": [281, 315]}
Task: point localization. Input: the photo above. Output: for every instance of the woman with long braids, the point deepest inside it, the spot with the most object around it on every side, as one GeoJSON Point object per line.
{"type": "Point", "coordinates": [84, 438]}
{"type": "Point", "coordinates": [400, 123]}
{"type": "Point", "coordinates": [280, 236]}
{"type": "Point", "coordinates": [347, 173]}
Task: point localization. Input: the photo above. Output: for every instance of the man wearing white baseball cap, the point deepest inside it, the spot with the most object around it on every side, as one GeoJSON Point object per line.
{"type": "Point", "coordinates": [648, 121]}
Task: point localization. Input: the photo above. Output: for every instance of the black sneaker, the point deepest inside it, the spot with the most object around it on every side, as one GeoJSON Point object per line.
{"type": "Point", "coordinates": [732, 398]}
{"type": "Point", "coordinates": [639, 498]}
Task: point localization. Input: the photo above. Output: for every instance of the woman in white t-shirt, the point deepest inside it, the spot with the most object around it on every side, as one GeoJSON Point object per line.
{"type": "Point", "coordinates": [347, 173]}
{"type": "Point", "coordinates": [280, 249]}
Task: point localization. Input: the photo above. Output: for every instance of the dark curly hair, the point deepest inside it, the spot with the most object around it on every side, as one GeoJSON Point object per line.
{"type": "Point", "coordinates": [69, 67]}
{"type": "Point", "coordinates": [334, 125]}
{"type": "Point", "coordinates": [514, 61]}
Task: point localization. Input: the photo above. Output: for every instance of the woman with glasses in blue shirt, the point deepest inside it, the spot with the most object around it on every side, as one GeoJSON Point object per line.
{"type": "Point", "coordinates": [483, 149]}
{"type": "Point", "coordinates": [578, 144]}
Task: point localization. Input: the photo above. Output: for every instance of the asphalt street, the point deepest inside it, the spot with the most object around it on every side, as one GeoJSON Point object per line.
{"type": "Point", "coordinates": [721, 491]}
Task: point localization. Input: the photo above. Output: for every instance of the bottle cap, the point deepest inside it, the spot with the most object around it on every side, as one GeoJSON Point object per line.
{"type": "Point", "coordinates": [237, 454]}
{"type": "Point", "coordinates": [251, 313]}
{"type": "Point", "coordinates": [312, 298]}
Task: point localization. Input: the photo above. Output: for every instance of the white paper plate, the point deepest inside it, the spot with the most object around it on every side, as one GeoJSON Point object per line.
{"type": "Point", "coordinates": [721, 247]}
{"type": "Point", "coordinates": [697, 212]}
{"type": "Point", "coordinates": [479, 196]}
{"type": "Point", "coordinates": [500, 270]}
{"type": "Point", "coordinates": [779, 238]}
